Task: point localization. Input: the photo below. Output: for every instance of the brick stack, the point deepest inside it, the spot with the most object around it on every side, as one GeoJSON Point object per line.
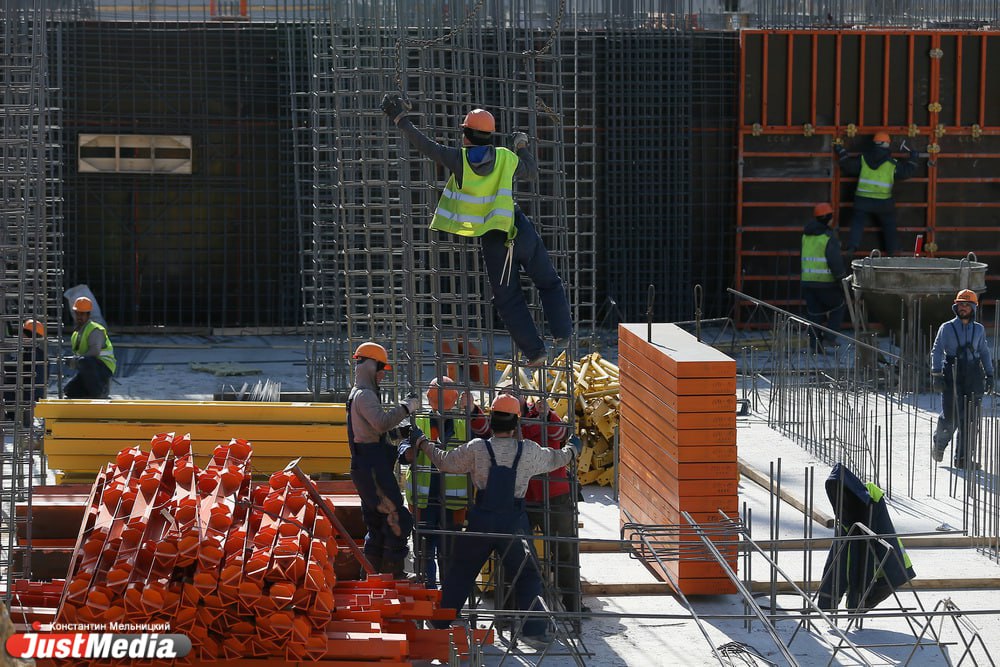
{"type": "Point", "coordinates": [678, 441]}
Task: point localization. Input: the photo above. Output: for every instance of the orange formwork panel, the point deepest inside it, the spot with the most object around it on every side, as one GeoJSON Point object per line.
{"type": "Point", "coordinates": [645, 419]}
{"type": "Point", "coordinates": [677, 352]}
{"type": "Point", "coordinates": [628, 348]}
{"type": "Point", "coordinates": [644, 403]}
{"type": "Point", "coordinates": [801, 89]}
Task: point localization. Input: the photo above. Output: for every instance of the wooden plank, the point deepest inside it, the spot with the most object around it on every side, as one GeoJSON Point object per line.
{"type": "Point", "coordinates": [632, 391]}
{"type": "Point", "coordinates": [631, 435]}
{"type": "Point", "coordinates": [685, 356]}
{"type": "Point", "coordinates": [194, 411]}
{"type": "Point", "coordinates": [635, 375]}
{"type": "Point", "coordinates": [143, 430]}
{"type": "Point", "coordinates": [763, 480]}
{"type": "Point", "coordinates": [681, 488]}
{"type": "Point", "coordinates": [639, 413]}
{"type": "Point", "coordinates": [684, 386]}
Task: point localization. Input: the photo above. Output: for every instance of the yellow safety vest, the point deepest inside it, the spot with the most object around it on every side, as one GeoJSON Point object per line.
{"type": "Point", "coordinates": [418, 476]}
{"type": "Point", "coordinates": [876, 183]}
{"type": "Point", "coordinates": [815, 268]}
{"type": "Point", "coordinates": [79, 339]}
{"type": "Point", "coordinates": [483, 203]}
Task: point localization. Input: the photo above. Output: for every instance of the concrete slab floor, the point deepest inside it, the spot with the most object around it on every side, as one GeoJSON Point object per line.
{"type": "Point", "coordinates": [657, 630]}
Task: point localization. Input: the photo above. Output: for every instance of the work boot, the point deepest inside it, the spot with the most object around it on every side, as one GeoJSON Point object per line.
{"type": "Point", "coordinates": [534, 362]}
{"type": "Point", "coordinates": [936, 453]}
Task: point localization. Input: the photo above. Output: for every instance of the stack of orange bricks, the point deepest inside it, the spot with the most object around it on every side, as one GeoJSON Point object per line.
{"type": "Point", "coordinates": [678, 443]}
{"type": "Point", "coordinates": [245, 573]}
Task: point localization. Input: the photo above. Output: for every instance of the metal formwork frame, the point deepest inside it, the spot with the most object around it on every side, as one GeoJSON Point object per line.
{"type": "Point", "coordinates": [800, 89]}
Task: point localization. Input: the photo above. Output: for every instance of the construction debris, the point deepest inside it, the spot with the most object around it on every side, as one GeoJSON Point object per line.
{"type": "Point", "coordinates": [243, 572]}
{"type": "Point", "coordinates": [224, 369]}
{"type": "Point", "coordinates": [596, 402]}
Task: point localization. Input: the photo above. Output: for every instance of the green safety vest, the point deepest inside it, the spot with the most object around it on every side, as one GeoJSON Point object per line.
{"type": "Point", "coordinates": [815, 268]}
{"type": "Point", "coordinates": [483, 203]}
{"type": "Point", "coordinates": [876, 183]}
{"type": "Point", "coordinates": [418, 476]}
{"type": "Point", "coordinates": [876, 494]}
{"type": "Point", "coordinates": [80, 338]}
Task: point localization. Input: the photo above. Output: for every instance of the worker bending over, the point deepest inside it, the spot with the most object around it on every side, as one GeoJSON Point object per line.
{"type": "Point", "coordinates": [501, 468]}
{"type": "Point", "coordinates": [877, 172]}
{"type": "Point", "coordinates": [478, 200]}
{"type": "Point", "coordinates": [93, 355]}
{"type": "Point", "coordinates": [373, 458]}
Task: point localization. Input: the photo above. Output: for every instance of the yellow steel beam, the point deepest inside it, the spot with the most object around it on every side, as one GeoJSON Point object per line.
{"type": "Point", "coordinates": [141, 432]}
{"type": "Point", "coordinates": [108, 448]}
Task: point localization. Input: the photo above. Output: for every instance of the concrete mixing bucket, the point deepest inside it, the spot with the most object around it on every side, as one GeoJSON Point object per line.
{"type": "Point", "coordinates": [886, 284]}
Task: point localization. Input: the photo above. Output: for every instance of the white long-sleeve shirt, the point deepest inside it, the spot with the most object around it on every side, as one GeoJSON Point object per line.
{"type": "Point", "coordinates": [473, 458]}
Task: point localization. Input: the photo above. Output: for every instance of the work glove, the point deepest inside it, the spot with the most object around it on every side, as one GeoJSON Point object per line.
{"type": "Point", "coordinates": [416, 435]}
{"type": "Point", "coordinates": [520, 140]}
{"type": "Point", "coordinates": [395, 107]}
{"type": "Point", "coordinates": [914, 153]}
{"type": "Point", "coordinates": [937, 381]}
{"type": "Point", "coordinates": [577, 445]}
{"type": "Point", "coordinates": [991, 386]}
{"type": "Point", "coordinates": [411, 404]}
{"type": "Point", "coordinates": [838, 148]}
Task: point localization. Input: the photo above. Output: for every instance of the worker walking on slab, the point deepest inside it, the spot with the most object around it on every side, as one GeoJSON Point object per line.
{"type": "Point", "coordinates": [501, 468]}
{"type": "Point", "coordinates": [373, 458]}
{"type": "Point", "coordinates": [93, 355]}
{"type": "Point", "coordinates": [962, 370]}
{"type": "Point", "coordinates": [29, 366]}
{"type": "Point", "coordinates": [822, 271]}
{"type": "Point", "coordinates": [877, 172]}
{"type": "Point", "coordinates": [478, 201]}
{"type": "Point", "coordinates": [440, 500]}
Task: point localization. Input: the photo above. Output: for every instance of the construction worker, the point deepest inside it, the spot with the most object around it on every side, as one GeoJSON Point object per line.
{"type": "Point", "coordinates": [962, 370]}
{"type": "Point", "coordinates": [877, 171]}
{"type": "Point", "coordinates": [478, 200]}
{"type": "Point", "coordinates": [501, 468]}
{"type": "Point", "coordinates": [372, 461]}
{"type": "Point", "coordinates": [439, 500]}
{"type": "Point", "coordinates": [30, 367]}
{"type": "Point", "coordinates": [822, 271]}
{"type": "Point", "coordinates": [93, 355]}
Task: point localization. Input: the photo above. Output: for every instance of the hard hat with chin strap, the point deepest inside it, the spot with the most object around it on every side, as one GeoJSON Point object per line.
{"type": "Point", "coordinates": [373, 351]}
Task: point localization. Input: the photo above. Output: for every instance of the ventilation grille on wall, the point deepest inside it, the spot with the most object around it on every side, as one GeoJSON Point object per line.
{"type": "Point", "coordinates": [141, 153]}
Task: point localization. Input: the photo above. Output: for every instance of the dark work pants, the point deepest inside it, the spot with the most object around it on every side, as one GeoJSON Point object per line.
{"type": "Point", "coordinates": [371, 471]}
{"type": "Point", "coordinates": [884, 213]}
{"type": "Point", "coordinates": [472, 551]}
{"type": "Point", "coordinates": [532, 257]}
{"type": "Point", "coordinates": [958, 413]}
{"type": "Point", "coordinates": [92, 379]}
{"type": "Point", "coordinates": [824, 306]}
{"type": "Point", "coordinates": [564, 555]}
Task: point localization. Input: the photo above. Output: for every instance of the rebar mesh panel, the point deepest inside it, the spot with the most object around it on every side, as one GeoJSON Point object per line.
{"type": "Point", "coordinates": [28, 263]}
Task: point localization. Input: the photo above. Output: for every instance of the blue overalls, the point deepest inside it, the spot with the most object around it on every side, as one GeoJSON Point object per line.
{"type": "Point", "coordinates": [496, 510]}
{"type": "Point", "coordinates": [961, 398]}
{"type": "Point", "coordinates": [371, 472]}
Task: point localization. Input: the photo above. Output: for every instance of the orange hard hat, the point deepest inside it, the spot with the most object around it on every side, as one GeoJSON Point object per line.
{"type": "Point", "coordinates": [83, 305]}
{"type": "Point", "coordinates": [34, 326]}
{"type": "Point", "coordinates": [481, 120]}
{"type": "Point", "coordinates": [968, 296]}
{"type": "Point", "coordinates": [822, 210]}
{"type": "Point", "coordinates": [882, 138]}
{"type": "Point", "coordinates": [506, 403]}
{"type": "Point", "coordinates": [373, 351]}
{"type": "Point", "coordinates": [440, 398]}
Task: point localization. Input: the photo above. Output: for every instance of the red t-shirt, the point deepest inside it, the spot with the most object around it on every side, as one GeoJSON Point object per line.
{"type": "Point", "coordinates": [558, 432]}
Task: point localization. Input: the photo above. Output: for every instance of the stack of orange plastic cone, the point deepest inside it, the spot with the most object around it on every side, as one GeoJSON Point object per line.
{"type": "Point", "coordinates": [244, 572]}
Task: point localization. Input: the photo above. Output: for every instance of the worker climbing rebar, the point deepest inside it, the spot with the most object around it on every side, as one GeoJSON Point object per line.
{"type": "Point", "coordinates": [478, 201]}
{"type": "Point", "coordinates": [877, 172]}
